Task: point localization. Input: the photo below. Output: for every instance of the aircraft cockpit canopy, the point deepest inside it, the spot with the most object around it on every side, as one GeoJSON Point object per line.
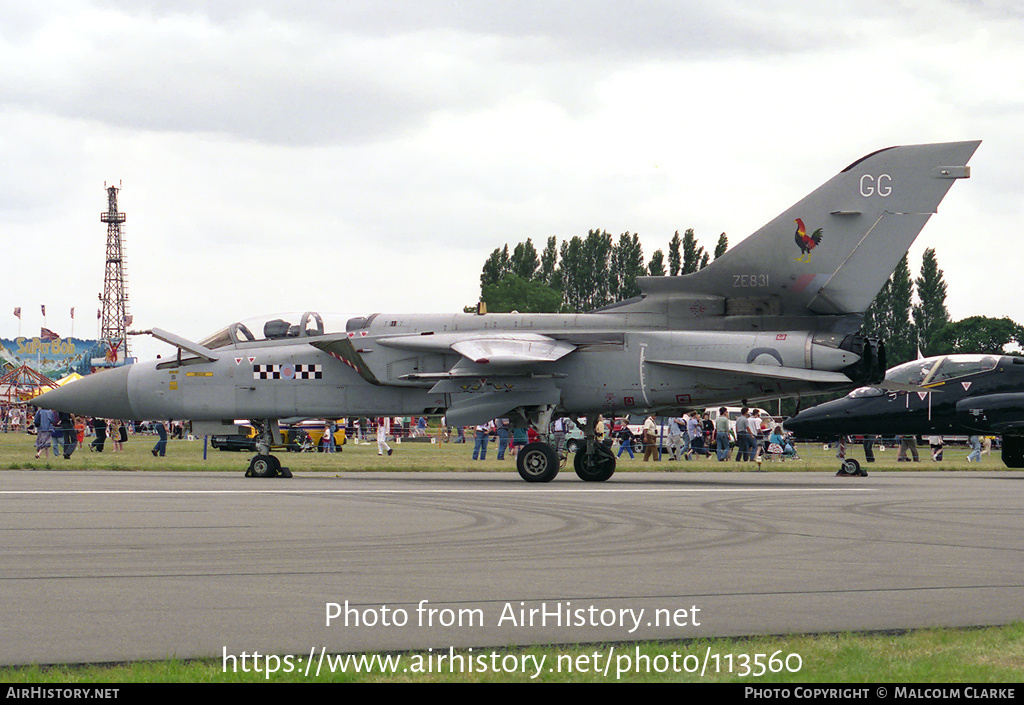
{"type": "Point", "coordinates": [935, 370]}
{"type": "Point", "coordinates": [931, 371]}
{"type": "Point", "coordinates": [282, 326]}
{"type": "Point", "coordinates": [862, 392]}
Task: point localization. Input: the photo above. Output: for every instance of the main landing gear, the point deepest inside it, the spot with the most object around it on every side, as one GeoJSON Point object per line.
{"type": "Point", "coordinates": [596, 465]}
{"type": "Point", "coordinates": [539, 462]}
{"type": "Point", "coordinates": [265, 464]}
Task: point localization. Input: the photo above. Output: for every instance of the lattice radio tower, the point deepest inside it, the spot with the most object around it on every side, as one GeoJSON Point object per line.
{"type": "Point", "coordinates": [114, 316]}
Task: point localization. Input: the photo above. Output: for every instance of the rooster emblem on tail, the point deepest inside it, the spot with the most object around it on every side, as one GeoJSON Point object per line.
{"type": "Point", "coordinates": [805, 243]}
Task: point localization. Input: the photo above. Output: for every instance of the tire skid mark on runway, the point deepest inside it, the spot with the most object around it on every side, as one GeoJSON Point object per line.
{"type": "Point", "coordinates": [775, 518]}
{"type": "Point", "coordinates": [517, 528]}
{"type": "Point", "coordinates": [930, 512]}
{"type": "Point", "coordinates": [936, 525]}
{"type": "Point", "coordinates": [485, 534]}
{"type": "Point", "coordinates": [523, 524]}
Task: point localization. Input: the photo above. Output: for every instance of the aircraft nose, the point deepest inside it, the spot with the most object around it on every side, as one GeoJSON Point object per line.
{"type": "Point", "coordinates": [103, 394]}
{"type": "Point", "coordinates": [810, 423]}
{"type": "Point", "coordinates": [797, 425]}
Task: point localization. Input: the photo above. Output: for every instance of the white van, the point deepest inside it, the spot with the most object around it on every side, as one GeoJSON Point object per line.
{"type": "Point", "coordinates": [734, 413]}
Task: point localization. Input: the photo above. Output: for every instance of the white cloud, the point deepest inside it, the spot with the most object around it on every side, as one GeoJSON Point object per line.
{"type": "Point", "coordinates": [366, 156]}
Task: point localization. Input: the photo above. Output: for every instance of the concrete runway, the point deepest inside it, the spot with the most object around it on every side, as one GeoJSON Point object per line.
{"type": "Point", "coordinates": [110, 566]}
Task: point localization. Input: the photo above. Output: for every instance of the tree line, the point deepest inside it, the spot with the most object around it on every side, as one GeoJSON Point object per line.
{"type": "Point", "coordinates": [582, 274]}
{"type": "Point", "coordinates": [909, 329]}
{"type": "Point", "coordinates": [586, 273]}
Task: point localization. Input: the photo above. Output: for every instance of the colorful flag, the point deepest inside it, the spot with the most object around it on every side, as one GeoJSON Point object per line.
{"type": "Point", "coordinates": [47, 334]}
{"type": "Point", "coordinates": [72, 313]}
{"type": "Point", "coordinates": [17, 312]}
{"type": "Point", "coordinates": [43, 306]}
{"type": "Point", "coordinates": [128, 319]}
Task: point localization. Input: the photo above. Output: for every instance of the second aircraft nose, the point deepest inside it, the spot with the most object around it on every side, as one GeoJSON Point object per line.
{"type": "Point", "coordinates": [816, 423]}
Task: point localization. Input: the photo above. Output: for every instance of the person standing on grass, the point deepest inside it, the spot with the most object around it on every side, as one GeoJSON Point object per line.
{"type": "Point", "coordinates": [160, 449]}
{"type": "Point", "coordinates": [44, 421]}
{"type": "Point", "coordinates": [99, 427]}
{"type": "Point", "coordinates": [650, 438]}
{"type": "Point", "coordinates": [382, 436]}
{"type": "Point", "coordinates": [480, 440]}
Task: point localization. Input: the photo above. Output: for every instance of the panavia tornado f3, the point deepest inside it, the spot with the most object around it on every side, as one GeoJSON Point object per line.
{"type": "Point", "coordinates": [778, 315]}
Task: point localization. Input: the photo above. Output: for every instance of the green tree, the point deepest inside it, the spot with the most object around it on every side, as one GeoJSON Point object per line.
{"type": "Point", "coordinates": [513, 293]}
{"type": "Point", "coordinates": [583, 272]}
{"type": "Point", "coordinates": [598, 262]}
{"type": "Point", "coordinates": [693, 254]}
{"type": "Point", "coordinates": [524, 261]}
{"type": "Point", "coordinates": [548, 261]}
{"type": "Point", "coordinates": [888, 317]}
{"type": "Point", "coordinates": [722, 246]}
{"type": "Point", "coordinates": [979, 335]}
{"type": "Point", "coordinates": [627, 263]}
{"type": "Point", "coordinates": [930, 315]}
{"type": "Point", "coordinates": [564, 278]}
{"type": "Point", "coordinates": [594, 271]}
{"type": "Point", "coordinates": [656, 267]}
{"type": "Point", "coordinates": [674, 257]}
{"type": "Point", "coordinates": [496, 267]}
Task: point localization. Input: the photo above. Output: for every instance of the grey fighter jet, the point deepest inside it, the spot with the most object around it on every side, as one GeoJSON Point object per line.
{"type": "Point", "coordinates": [778, 315]}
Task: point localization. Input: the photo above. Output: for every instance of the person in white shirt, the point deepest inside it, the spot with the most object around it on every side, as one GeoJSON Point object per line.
{"type": "Point", "coordinates": [383, 427]}
{"type": "Point", "coordinates": [676, 429]}
{"type": "Point", "coordinates": [480, 446]}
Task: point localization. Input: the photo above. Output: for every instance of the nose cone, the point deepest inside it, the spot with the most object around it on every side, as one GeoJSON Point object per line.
{"type": "Point", "coordinates": [799, 426]}
{"type": "Point", "coordinates": [103, 394]}
{"type": "Point", "coordinates": [822, 421]}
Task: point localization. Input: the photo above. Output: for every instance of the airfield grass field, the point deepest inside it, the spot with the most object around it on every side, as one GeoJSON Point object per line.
{"type": "Point", "coordinates": [17, 451]}
{"type": "Point", "coordinates": [987, 655]}
{"type": "Point", "coordinates": [991, 654]}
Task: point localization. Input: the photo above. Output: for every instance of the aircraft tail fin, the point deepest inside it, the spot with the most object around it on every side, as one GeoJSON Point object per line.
{"type": "Point", "coordinates": [831, 252]}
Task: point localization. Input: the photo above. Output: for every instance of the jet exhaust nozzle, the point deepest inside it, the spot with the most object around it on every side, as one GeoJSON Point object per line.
{"type": "Point", "coordinates": [870, 369]}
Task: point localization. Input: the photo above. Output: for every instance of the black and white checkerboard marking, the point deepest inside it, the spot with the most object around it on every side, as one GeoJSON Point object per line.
{"type": "Point", "coordinates": [287, 372]}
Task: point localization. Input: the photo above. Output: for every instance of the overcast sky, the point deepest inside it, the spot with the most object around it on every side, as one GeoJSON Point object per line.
{"type": "Point", "coordinates": [367, 156]}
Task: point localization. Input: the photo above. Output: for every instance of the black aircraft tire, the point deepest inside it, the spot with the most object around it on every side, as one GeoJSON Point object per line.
{"type": "Point", "coordinates": [598, 468]}
{"type": "Point", "coordinates": [537, 462]}
{"type": "Point", "coordinates": [263, 466]}
{"type": "Point", "coordinates": [850, 467]}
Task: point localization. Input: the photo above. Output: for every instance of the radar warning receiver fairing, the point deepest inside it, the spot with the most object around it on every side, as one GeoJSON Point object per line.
{"type": "Point", "coordinates": [778, 315]}
{"type": "Point", "coordinates": [954, 395]}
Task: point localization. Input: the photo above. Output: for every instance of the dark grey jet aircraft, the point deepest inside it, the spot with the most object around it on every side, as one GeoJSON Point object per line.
{"type": "Point", "coordinates": [945, 395]}
{"type": "Point", "coordinates": [778, 315]}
